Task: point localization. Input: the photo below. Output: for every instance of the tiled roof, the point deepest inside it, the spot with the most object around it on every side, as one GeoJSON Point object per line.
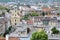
{"type": "Point", "coordinates": [10, 38]}
{"type": "Point", "coordinates": [13, 38]}
{"type": "Point", "coordinates": [37, 17]}
{"type": "Point", "coordinates": [46, 9]}
{"type": "Point", "coordinates": [29, 21]}
{"type": "Point", "coordinates": [3, 20]}
{"type": "Point", "coordinates": [47, 18]}
{"type": "Point", "coordinates": [2, 38]}
{"type": "Point", "coordinates": [42, 18]}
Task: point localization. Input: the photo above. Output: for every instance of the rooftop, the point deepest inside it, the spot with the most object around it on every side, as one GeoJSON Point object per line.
{"type": "Point", "coordinates": [13, 38]}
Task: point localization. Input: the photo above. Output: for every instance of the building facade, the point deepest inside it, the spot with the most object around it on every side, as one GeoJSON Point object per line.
{"type": "Point", "coordinates": [15, 17]}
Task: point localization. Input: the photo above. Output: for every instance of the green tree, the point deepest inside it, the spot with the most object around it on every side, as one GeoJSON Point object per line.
{"type": "Point", "coordinates": [7, 31]}
{"type": "Point", "coordinates": [43, 14]}
{"type": "Point", "coordinates": [34, 14]}
{"type": "Point", "coordinates": [25, 17]}
{"type": "Point", "coordinates": [7, 9]}
{"type": "Point", "coordinates": [58, 14]}
{"type": "Point", "coordinates": [39, 36]}
{"type": "Point", "coordinates": [9, 28]}
{"type": "Point", "coordinates": [46, 13]}
{"type": "Point", "coordinates": [2, 8]}
{"type": "Point", "coordinates": [54, 30]}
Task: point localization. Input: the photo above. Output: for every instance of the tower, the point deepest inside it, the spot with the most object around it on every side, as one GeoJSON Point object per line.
{"type": "Point", "coordinates": [15, 17]}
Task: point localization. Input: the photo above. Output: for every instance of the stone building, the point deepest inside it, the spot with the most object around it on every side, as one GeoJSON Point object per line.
{"type": "Point", "coordinates": [2, 25]}
{"type": "Point", "coordinates": [15, 17]}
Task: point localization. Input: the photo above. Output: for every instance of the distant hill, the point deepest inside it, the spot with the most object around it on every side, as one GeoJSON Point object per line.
{"type": "Point", "coordinates": [29, 0]}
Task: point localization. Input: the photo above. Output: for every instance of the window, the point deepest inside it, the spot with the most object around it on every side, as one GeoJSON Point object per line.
{"type": "Point", "coordinates": [15, 20]}
{"type": "Point", "coordinates": [15, 14]}
{"type": "Point", "coordinates": [15, 23]}
{"type": "Point", "coordinates": [45, 22]}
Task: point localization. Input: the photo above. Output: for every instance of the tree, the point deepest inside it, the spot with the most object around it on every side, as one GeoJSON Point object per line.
{"type": "Point", "coordinates": [34, 14]}
{"type": "Point", "coordinates": [43, 14]}
{"type": "Point", "coordinates": [39, 36]}
{"type": "Point", "coordinates": [7, 9]}
{"type": "Point", "coordinates": [28, 6]}
{"type": "Point", "coordinates": [54, 30]}
{"type": "Point", "coordinates": [2, 7]}
{"type": "Point", "coordinates": [7, 31]}
{"type": "Point", "coordinates": [9, 28]}
{"type": "Point", "coordinates": [58, 14]}
{"type": "Point", "coordinates": [46, 13]}
{"type": "Point", "coordinates": [25, 17]}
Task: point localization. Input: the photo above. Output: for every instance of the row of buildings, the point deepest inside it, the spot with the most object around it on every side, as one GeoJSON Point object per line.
{"type": "Point", "coordinates": [48, 17]}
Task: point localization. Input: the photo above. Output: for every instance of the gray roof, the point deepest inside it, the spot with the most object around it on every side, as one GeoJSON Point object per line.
{"type": "Point", "coordinates": [41, 18]}
{"type": "Point", "coordinates": [3, 20]}
{"type": "Point", "coordinates": [47, 18]}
